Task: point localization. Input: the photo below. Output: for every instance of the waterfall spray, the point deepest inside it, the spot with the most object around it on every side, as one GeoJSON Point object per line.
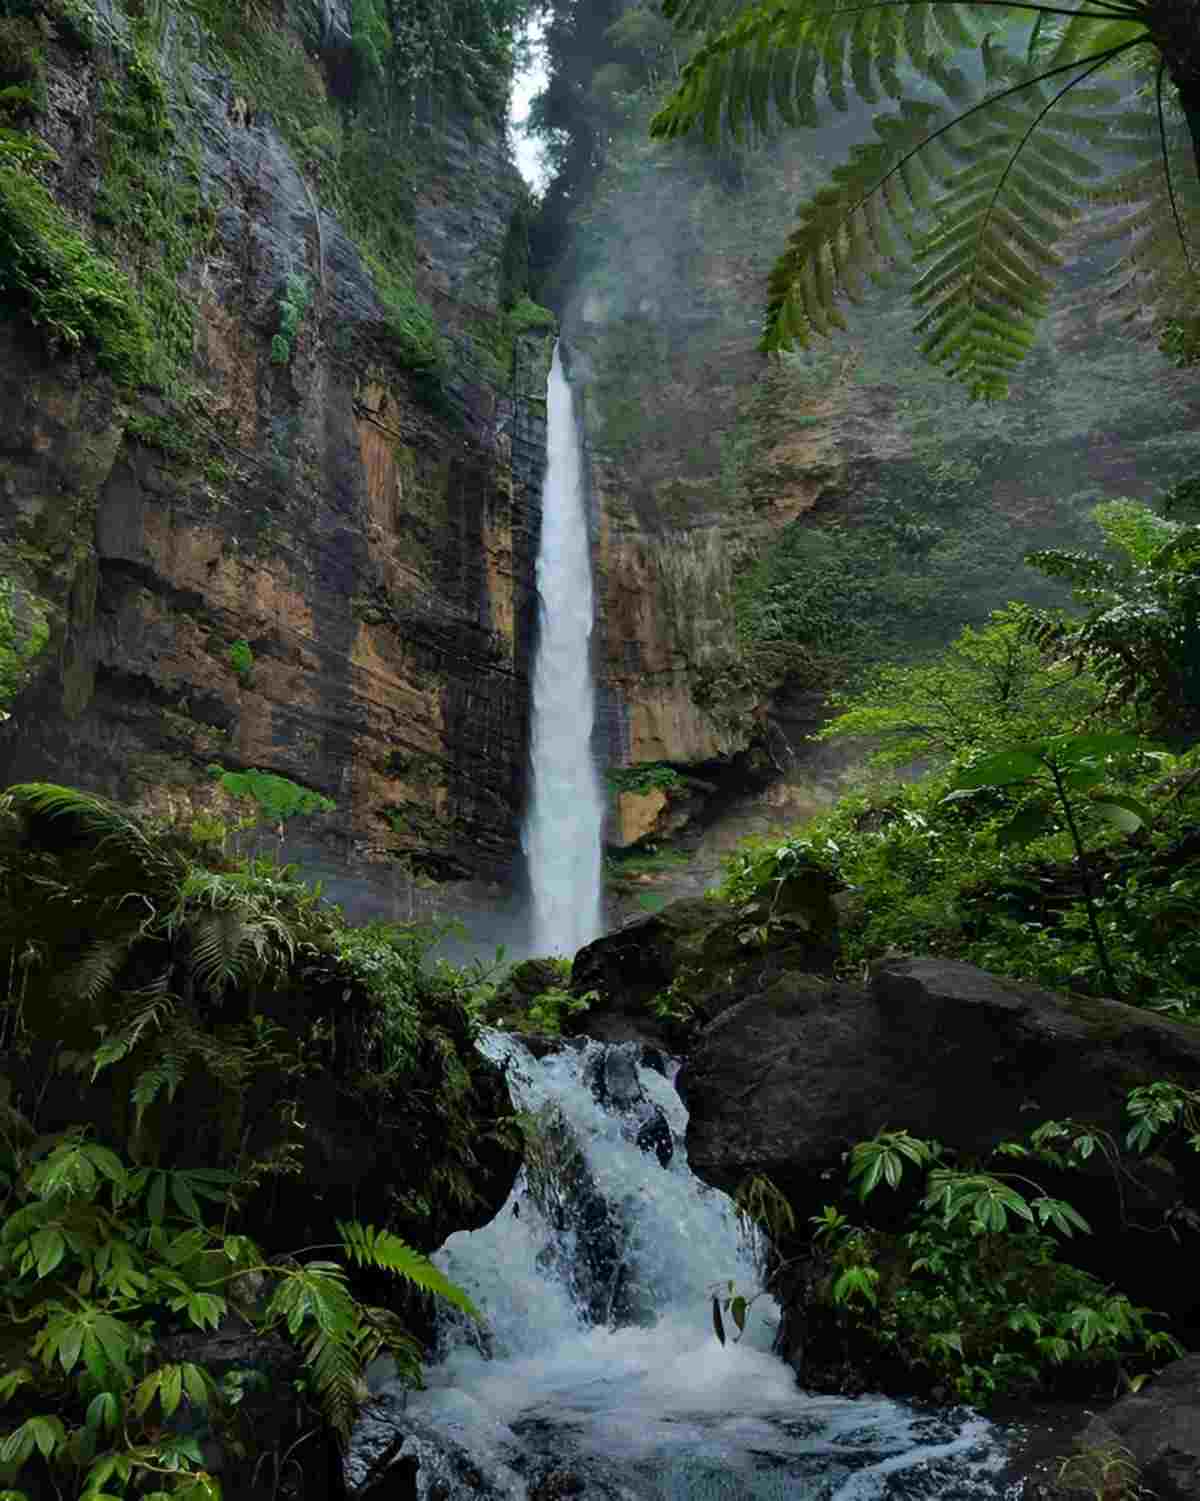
{"type": "Point", "coordinates": [565, 818]}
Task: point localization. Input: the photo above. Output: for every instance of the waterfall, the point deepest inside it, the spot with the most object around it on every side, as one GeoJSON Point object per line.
{"type": "Point", "coordinates": [598, 1375]}
{"type": "Point", "coordinates": [565, 817]}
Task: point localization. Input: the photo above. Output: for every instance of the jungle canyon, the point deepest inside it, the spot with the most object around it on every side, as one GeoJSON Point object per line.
{"type": "Point", "coordinates": [278, 321]}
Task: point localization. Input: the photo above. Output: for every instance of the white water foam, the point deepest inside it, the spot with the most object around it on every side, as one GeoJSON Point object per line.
{"type": "Point", "coordinates": [661, 1404]}
{"type": "Point", "coordinates": [565, 818]}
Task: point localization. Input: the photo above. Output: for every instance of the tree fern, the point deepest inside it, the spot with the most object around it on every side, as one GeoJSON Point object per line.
{"type": "Point", "coordinates": [1000, 169]}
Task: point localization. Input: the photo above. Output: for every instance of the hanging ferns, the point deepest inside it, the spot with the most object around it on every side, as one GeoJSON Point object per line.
{"type": "Point", "coordinates": [977, 184]}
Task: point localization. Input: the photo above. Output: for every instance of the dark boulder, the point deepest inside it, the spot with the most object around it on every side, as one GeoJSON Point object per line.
{"type": "Point", "coordinates": [714, 955]}
{"type": "Point", "coordinates": [1156, 1429]}
{"type": "Point", "coordinates": [786, 1082]}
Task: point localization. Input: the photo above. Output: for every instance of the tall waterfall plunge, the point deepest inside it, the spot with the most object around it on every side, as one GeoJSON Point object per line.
{"type": "Point", "coordinates": [565, 818]}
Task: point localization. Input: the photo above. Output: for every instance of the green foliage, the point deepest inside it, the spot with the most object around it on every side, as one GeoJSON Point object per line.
{"type": "Point", "coordinates": [24, 635]}
{"type": "Point", "coordinates": [277, 797]}
{"type": "Point", "coordinates": [1140, 635]}
{"type": "Point", "coordinates": [101, 1256]}
{"type": "Point", "coordinates": [241, 659]}
{"type": "Point", "coordinates": [1056, 770]}
{"type": "Point", "coordinates": [901, 580]}
{"type": "Point", "coordinates": [150, 213]}
{"type": "Point", "coordinates": [51, 275]}
{"type": "Point", "coordinates": [971, 879]}
{"type": "Point", "coordinates": [644, 777]}
{"type": "Point", "coordinates": [992, 684]}
{"type": "Point", "coordinates": [547, 1010]}
{"type": "Point", "coordinates": [99, 1262]}
{"type": "Point", "coordinates": [971, 1289]}
{"type": "Point", "coordinates": [996, 168]}
{"type": "Point", "coordinates": [527, 317]}
{"type": "Point", "coordinates": [293, 304]}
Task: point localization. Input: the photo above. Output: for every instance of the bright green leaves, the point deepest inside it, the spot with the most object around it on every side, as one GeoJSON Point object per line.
{"type": "Point", "coordinates": [44, 1435]}
{"type": "Point", "coordinates": [856, 1282]}
{"type": "Point", "coordinates": [315, 1291]}
{"type": "Point", "coordinates": [169, 1384]}
{"type": "Point", "coordinates": [85, 1333]}
{"type": "Point", "coordinates": [974, 1287]}
{"type": "Point", "coordinates": [736, 1305]}
{"type": "Point", "coordinates": [74, 1169]}
{"type": "Point", "coordinates": [883, 1159]}
{"type": "Point", "coordinates": [1159, 1106]}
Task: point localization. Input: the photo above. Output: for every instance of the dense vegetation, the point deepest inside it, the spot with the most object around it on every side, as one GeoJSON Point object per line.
{"type": "Point", "coordinates": [1051, 837]}
{"type": "Point", "coordinates": [162, 1023]}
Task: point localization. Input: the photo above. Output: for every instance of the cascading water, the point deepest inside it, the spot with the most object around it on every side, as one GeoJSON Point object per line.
{"type": "Point", "coordinates": [565, 818]}
{"type": "Point", "coordinates": [599, 1376]}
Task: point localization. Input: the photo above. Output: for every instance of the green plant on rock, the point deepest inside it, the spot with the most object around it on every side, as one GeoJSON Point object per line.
{"type": "Point", "coordinates": [22, 640]}
{"type": "Point", "coordinates": [646, 776]}
{"type": "Point", "coordinates": [974, 1291]}
{"type": "Point", "coordinates": [293, 304]}
{"type": "Point", "coordinates": [547, 1010]}
{"type": "Point", "coordinates": [52, 276]}
{"type": "Point", "coordinates": [241, 659]}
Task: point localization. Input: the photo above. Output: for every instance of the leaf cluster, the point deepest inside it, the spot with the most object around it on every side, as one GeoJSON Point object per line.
{"type": "Point", "coordinates": [974, 1291]}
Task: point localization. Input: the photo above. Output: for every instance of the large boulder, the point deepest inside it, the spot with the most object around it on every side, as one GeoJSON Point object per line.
{"type": "Point", "coordinates": [1156, 1430]}
{"type": "Point", "coordinates": [713, 954]}
{"type": "Point", "coordinates": [785, 1082]}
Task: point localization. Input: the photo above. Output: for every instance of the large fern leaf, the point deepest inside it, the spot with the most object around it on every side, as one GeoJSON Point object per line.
{"type": "Point", "coordinates": [381, 1248]}
{"type": "Point", "coordinates": [1000, 169]}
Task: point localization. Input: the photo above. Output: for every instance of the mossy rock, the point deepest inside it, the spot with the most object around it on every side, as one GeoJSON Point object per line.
{"type": "Point", "coordinates": [713, 954]}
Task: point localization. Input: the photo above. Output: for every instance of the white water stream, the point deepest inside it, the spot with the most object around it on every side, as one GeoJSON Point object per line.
{"type": "Point", "coordinates": [648, 1406]}
{"type": "Point", "coordinates": [565, 818]}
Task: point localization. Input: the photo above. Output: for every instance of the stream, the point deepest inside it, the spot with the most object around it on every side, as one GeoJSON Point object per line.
{"type": "Point", "coordinates": [598, 1374]}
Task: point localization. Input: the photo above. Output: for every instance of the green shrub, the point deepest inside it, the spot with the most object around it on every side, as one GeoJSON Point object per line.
{"type": "Point", "coordinates": [293, 304]}
{"type": "Point", "coordinates": [241, 659]}
{"type": "Point", "coordinates": [276, 797]}
{"type": "Point", "coordinates": [643, 777]}
{"type": "Point", "coordinates": [21, 640]}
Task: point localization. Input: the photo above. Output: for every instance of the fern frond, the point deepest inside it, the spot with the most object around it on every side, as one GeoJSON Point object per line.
{"type": "Point", "coordinates": [95, 970]}
{"type": "Point", "coordinates": [335, 1368]}
{"type": "Point", "coordinates": [168, 1072]}
{"type": "Point", "coordinates": [151, 1006]}
{"type": "Point", "coordinates": [381, 1248]}
{"type": "Point", "coordinates": [1000, 168]}
{"type": "Point", "coordinates": [94, 818]}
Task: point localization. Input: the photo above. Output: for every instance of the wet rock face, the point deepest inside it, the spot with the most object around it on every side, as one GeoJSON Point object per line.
{"type": "Point", "coordinates": [786, 1082]}
{"type": "Point", "coordinates": [372, 547]}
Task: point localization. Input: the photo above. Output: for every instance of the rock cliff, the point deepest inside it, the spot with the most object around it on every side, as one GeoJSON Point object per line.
{"type": "Point", "coordinates": [764, 525]}
{"type": "Point", "coordinates": [286, 519]}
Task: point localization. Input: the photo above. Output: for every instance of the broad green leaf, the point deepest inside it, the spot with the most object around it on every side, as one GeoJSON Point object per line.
{"type": "Point", "coordinates": [182, 1193]}
{"type": "Point", "coordinates": [738, 1309]}
{"type": "Point", "coordinates": [1069, 749]}
{"type": "Point", "coordinates": [156, 1200]}
{"type": "Point", "coordinates": [1126, 812]}
{"type": "Point", "coordinates": [170, 1388]}
{"type": "Point", "coordinates": [1028, 824]}
{"type": "Point", "coordinates": [1001, 769]}
{"type": "Point", "coordinates": [104, 1412]}
{"type": "Point", "coordinates": [49, 1247]}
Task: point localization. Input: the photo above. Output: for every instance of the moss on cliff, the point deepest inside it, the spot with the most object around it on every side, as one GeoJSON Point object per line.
{"type": "Point", "coordinates": [51, 275]}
